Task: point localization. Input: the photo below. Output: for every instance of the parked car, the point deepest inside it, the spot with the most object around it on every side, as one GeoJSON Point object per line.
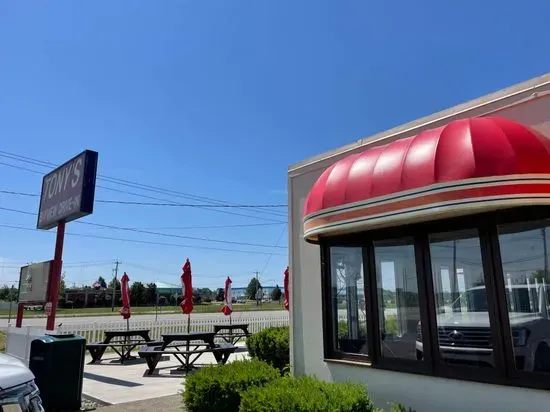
{"type": "Point", "coordinates": [465, 334]}
{"type": "Point", "coordinates": [17, 387]}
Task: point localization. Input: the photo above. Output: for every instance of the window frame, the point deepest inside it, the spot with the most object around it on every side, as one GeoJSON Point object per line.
{"type": "Point", "coordinates": [486, 225]}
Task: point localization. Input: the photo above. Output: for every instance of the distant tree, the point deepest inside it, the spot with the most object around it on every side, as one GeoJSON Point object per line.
{"type": "Point", "coordinates": [14, 293]}
{"type": "Point", "coordinates": [101, 282]}
{"type": "Point", "coordinates": [162, 301]}
{"type": "Point", "coordinates": [114, 281]}
{"type": "Point", "coordinates": [220, 294]}
{"type": "Point", "coordinates": [276, 294]}
{"type": "Point", "coordinates": [206, 294]}
{"type": "Point", "coordinates": [197, 298]}
{"type": "Point", "coordinates": [137, 293]}
{"type": "Point", "coordinates": [252, 288]}
{"type": "Point", "coordinates": [151, 294]}
{"type": "Point", "coordinates": [62, 286]}
{"type": "Point", "coordinates": [5, 293]}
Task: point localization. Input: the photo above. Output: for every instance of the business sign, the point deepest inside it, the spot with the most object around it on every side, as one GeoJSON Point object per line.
{"type": "Point", "coordinates": [68, 191]}
{"type": "Point", "coordinates": [33, 282]}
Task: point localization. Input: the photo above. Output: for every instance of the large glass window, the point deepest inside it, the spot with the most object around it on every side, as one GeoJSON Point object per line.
{"type": "Point", "coordinates": [398, 303]}
{"type": "Point", "coordinates": [462, 316]}
{"type": "Point", "coordinates": [348, 300]}
{"type": "Point", "coordinates": [525, 257]}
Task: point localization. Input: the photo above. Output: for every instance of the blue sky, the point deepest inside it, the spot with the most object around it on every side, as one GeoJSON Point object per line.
{"type": "Point", "coordinates": [216, 99]}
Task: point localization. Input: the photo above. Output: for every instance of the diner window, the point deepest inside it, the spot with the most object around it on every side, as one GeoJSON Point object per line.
{"type": "Point", "coordinates": [464, 329]}
{"type": "Point", "coordinates": [525, 257]}
{"type": "Point", "coordinates": [349, 317]}
{"type": "Point", "coordinates": [398, 303]}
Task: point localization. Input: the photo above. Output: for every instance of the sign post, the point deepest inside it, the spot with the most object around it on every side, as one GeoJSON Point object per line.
{"type": "Point", "coordinates": [67, 194]}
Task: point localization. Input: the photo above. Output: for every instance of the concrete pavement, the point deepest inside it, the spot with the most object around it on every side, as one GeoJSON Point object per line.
{"type": "Point", "coordinates": [113, 383]}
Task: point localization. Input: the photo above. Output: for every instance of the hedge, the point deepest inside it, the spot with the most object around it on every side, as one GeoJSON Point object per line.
{"type": "Point", "coordinates": [271, 346]}
{"type": "Point", "coordinates": [219, 387]}
{"type": "Point", "coordinates": [306, 394]}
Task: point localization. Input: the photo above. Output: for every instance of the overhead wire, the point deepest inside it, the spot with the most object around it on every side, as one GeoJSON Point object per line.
{"type": "Point", "coordinates": [128, 183]}
{"type": "Point", "coordinates": [171, 235]}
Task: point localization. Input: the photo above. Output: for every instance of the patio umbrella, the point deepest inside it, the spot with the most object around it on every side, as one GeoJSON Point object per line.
{"type": "Point", "coordinates": [286, 303]}
{"type": "Point", "coordinates": [187, 292]}
{"type": "Point", "coordinates": [125, 291]}
{"type": "Point", "coordinates": [227, 308]}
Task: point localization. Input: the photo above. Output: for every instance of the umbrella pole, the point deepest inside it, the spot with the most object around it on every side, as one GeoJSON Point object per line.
{"type": "Point", "coordinates": [188, 322]}
{"type": "Point", "coordinates": [128, 324]}
{"type": "Point", "coordinates": [230, 318]}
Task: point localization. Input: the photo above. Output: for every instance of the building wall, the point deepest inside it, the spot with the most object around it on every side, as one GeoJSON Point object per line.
{"type": "Point", "coordinates": [419, 392]}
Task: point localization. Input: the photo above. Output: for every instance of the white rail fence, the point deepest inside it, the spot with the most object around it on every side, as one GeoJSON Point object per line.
{"type": "Point", "coordinates": [93, 332]}
{"type": "Point", "coordinates": [19, 339]}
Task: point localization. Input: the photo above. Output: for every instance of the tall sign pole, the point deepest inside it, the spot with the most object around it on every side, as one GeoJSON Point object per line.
{"type": "Point", "coordinates": [67, 194]}
{"type": "Point", "coordinates": [55, 277]}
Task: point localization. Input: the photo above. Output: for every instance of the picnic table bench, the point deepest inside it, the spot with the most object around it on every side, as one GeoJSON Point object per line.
{"type": "Point", "coordinates": [120, 341]}
{"type": "Point", "coordinates": [187, 348]}
{"type": "Point", "coordinates": [228, 334]}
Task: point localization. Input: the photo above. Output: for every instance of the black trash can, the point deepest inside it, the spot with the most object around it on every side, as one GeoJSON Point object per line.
{"type": "Point", "coordinates": [57, 362]}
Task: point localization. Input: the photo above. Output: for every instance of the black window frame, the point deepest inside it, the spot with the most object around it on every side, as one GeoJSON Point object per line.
{"type": "Point", "coordinates": [486, 224]}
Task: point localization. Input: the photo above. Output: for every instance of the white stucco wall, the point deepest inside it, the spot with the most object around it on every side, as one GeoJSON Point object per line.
{"type": "Point", "coordinates": [419, 392]}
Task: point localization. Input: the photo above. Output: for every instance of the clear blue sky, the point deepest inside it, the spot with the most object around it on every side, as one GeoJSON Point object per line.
{"type": "Point", "coordinates": [216, 99]}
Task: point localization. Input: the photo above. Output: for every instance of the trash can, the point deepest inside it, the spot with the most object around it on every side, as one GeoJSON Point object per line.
{"type": "Point", "coordinates": [57, 362]}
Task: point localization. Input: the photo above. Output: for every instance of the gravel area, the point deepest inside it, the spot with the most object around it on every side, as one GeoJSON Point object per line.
{"type": "Point", "coordinates": [173, 403]}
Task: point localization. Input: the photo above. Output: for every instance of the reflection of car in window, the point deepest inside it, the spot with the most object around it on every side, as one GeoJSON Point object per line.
{"type": "Point", "coordinates": [17, 387]}
{"type": "Point", "coordinates": [465, 336]}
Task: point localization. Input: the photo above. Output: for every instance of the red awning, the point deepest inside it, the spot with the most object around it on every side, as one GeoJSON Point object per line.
{"type": "Point", "coordinates": [465, 167]}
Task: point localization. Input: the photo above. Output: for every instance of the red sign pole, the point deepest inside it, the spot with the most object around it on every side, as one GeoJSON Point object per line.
{"type": "Point", "coordinates": [55, 278]}
{"type": "Point", "coordinates": [19, 319]}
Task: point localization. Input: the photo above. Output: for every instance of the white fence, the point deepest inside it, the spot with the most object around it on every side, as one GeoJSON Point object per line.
{"type": "Point", "coordinates": [93, 331]}
{"type": "Point", "coordinates": [19, 339]}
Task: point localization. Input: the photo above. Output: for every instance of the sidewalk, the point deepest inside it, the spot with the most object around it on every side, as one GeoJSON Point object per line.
{"type": "Point", "coordinates": [172, 403]}
{"type": "Point", "coordinates": [113, 383]}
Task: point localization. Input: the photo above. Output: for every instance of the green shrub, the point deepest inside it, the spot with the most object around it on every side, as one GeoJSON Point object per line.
{"type": "Point", "coordinates": [219, 387]}
{"type": "Point", "coordinates": [397, 407]}
{"type": "Point", "coordinates": [271, 346]}
{"type": "Point", "coordinates": [306, 394]}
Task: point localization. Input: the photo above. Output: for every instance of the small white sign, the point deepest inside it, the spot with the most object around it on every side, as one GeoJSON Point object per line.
{"type": "Point", "coordinates": [33, 282]}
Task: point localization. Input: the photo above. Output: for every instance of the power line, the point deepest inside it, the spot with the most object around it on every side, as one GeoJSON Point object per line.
{"type": "Point", "coordinates": [128, 202]}
{"type": "Point", "coordinates": [171, 235]}
{"type": "Point", "coordinates": [123, 182]}
{"type": "Point", "coordinates": [167, 200]}
{"type": "Point", "coordinates": [146, 242]}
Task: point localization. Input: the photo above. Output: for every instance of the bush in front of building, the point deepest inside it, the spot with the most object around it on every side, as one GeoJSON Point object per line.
{"type": "Point", "coordinates": [271, 346]}
{"type": "Point", "coordinates": [306, 394]}
{"type": "Point", "coordinates": [219, 388]}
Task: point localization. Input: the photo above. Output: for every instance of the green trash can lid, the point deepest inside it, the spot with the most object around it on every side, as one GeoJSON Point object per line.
{"type": "Point", "coordinates": [58, 336]}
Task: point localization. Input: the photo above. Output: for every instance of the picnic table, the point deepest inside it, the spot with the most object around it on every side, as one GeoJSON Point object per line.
{"type": "Point", "coordinates": [187, 348]}
{"type": "Point", "coordinates": [121, 341]}
{"type": "Point", "coordinates": [227, 332]}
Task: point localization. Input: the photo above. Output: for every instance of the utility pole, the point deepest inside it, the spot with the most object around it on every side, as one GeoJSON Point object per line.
{"type": "Point", "coordinates": [257, 286]}
{"type": "Point", "coordinates": [115, 270]}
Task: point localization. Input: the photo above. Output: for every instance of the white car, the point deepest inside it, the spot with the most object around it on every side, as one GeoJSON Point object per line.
{"type": "Point", "coordinates": [18, 392]}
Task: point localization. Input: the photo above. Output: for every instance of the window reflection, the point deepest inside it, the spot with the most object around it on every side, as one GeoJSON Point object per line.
{"type": "Point", "coordinates": [348, 300]}
{"type": "Point", "coordinates": [524, 254]}
{"type": "Point", "coordinates": [463, 324]}
{"type": "Point", "coordinates": [397, 297]}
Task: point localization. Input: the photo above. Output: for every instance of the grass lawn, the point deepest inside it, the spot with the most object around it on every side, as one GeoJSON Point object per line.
{"type": "Point", "coordinates": [202, 308]}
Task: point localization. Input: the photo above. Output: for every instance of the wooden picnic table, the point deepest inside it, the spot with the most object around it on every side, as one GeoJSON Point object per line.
{"type": "Point", "coordinates": [187, 348]}
{"type": "Point", "coordinates": [121, 341]}
{"type": "Point", "coordinates": [226, 331]}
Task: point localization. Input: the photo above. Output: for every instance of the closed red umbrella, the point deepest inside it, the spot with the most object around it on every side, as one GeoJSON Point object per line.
{"type": "Point", "coordinates": [227, 308]}
{"type": "Point", "coordinates": [187, 289]}
{"type": "Point", "coordinates": [125, 291]}
{"type": "Point", "coordinates": [286, 301]}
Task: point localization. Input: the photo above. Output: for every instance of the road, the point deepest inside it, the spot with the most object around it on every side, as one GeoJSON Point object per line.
{"type": "Point", "coordinates": [236, 317]}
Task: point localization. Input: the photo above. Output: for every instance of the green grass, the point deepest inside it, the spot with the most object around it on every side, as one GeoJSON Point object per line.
{"type": "Point", "coordinates": [202, 308]}
{"type": "Point", "coordinates": [2, 341]}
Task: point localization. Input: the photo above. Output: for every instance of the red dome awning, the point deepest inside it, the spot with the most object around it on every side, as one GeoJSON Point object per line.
{"type": "Point", "coordinates": [464, 167]}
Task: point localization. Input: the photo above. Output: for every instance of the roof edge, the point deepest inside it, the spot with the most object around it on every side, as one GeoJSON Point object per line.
{"type": "Point", "coordinates": [514, 93]}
